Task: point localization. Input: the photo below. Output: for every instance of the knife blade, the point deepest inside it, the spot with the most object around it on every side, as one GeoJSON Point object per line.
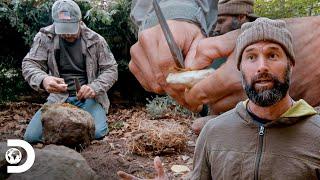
{"type": "Point", "coordinates": [174, 49]}
{"type": "Point", "coordinates": [78, 87]}
{"type": "Point", "coordinates": [77, 84]}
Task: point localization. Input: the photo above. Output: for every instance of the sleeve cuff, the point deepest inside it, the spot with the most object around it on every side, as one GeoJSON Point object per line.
{"type": "Point", "coordinates": [95, 88]}
{"type": "Point", "coordinates": [173, 12]}
{"type": "Point", "coordinates": [39, 82]}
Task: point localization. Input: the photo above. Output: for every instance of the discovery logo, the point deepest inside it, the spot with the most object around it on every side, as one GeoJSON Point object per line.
{"type": "Point", "coordinates": [14, 156]}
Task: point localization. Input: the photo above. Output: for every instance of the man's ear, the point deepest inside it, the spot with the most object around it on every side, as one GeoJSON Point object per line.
{"type": "Point", "coordinates": [291, 62]}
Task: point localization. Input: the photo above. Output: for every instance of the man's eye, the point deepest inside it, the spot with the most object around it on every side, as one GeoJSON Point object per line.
{"type": "Point", "coordinates": [250, 57]}
{"type": "Point", "coordinates": [273, 56]}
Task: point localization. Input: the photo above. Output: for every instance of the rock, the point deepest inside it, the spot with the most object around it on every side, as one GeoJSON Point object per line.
{"type": "Point", "coordinates": [3, 162]}
{"type": "Point", "coordinates": [3, 150]}
{"type": "Point", "coordinates": [180, 168]}
{"type": "Point", "coordinates": [199, 123]}
{"type": "Point", "coordinates": [67, 125]}
{"type": "Point", "coordinates": [57, 162]}
{"type": "Point", "coordinates": [39, 145]}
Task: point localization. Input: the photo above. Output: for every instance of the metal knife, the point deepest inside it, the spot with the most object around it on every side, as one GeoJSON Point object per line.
{"type": "Point", "coordinates": [78, 87]}
{"type": "Point", "coordinates": [174, 49]}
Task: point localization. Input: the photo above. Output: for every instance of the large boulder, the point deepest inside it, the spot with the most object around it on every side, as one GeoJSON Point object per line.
{"type": "Point", "coordinates": [3, 149]}
{"type": "Point", "coordinates": [3, 161]}
{"type": "Point", "coordinates": [67, 125]}
{"type": "Point", "coordinates": [57, 162]}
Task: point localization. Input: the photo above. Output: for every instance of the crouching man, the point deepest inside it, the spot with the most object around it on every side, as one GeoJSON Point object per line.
{"type": "Point", "coordinates": [268, 136]}
{"type": "Point", "coordinates": [65, 51]}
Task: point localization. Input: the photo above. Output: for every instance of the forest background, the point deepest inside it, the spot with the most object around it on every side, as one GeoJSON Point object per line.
{"type": "Point", "coordinates": [21, 19]}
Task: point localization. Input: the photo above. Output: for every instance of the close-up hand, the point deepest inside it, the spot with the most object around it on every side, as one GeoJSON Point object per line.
{"type": "Point", "coordinates": [151, 59]}
{"type": "Point", "coordinates": [158, 167]}
{"type": "Point", "coordinates": [54, 84]}
{"type": "Point", "coordinates": [86, 92]}
{"type": "Point", "coordinates": [221, 90]}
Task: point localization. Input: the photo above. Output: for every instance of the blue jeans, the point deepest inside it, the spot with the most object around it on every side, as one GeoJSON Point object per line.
{"type": "Point", "coordinates": [34, 130]}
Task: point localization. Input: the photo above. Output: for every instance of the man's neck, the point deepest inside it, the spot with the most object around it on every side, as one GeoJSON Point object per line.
{"type": "Point", "coordinates": [272, 112]}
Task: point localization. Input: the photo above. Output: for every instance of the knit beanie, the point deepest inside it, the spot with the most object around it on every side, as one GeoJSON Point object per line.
{"type": "Point", "coordinates": [236, 7]}
{"type": "Point", "coordinates": [264, 29]}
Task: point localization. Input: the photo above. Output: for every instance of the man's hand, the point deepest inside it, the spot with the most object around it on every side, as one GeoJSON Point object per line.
{"type": "Point", "coordinates": [222, 90]}
{"type": "Point", "coordinates": [54, 85]}
{"type": "Point", "coordinates": [151, 59]}
{"type": "Point", "coordinates": [86, 92]}
{"type": "Point", "coordinates": [157, 165]}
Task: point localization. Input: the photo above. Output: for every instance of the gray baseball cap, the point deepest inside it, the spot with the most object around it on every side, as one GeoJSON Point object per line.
{"type": "Point", "coordinates": [66, 15]}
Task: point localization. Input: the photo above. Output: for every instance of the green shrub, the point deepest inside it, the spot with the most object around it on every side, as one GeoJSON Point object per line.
{"type": "Point", "coordinates": [276, 9]}
{"type": "Point", "coordinates": [160, 107]}
{"type": "Point", "coordinates": [11, 82]}
{"type": "Point", "coordinates": [110, 18]}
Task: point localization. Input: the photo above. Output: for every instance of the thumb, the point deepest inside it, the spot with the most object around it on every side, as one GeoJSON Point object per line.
{"type": "Point", "coordinates": [159, 168]}
{"type": "Point", "coordinates": [212, 48]}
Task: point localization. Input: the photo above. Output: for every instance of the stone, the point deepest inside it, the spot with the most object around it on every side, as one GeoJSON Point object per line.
{"type": "Point", "coordinates": [3, 162]}
{"type": "Point", "coordinates": [57, 162]}
{"type": "Point", "coordinates": [68, 125]}
{"type": "Point", "coordinates": [179, 168]}
{"type": "Point", "coordinates": [3, 150]}
{"type": "Point", "coordinates": [199, 123]}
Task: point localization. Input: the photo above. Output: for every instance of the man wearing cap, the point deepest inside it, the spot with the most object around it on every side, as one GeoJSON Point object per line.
{"type": "Point", "coordinates": [268, 136]}
{"type": "Point", "coordinates": [65, 51]}
{"type": "Point", "coordinates": [232, 14]}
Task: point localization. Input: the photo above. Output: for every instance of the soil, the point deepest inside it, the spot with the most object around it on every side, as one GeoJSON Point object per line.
{"type": "Point", "coordinates": [110, 154]}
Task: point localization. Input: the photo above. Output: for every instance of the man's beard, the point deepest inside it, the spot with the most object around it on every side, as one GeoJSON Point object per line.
{"type": "Point", "coordinates": [267, 97]}
{"type": "Point", "coordinates": [235, 24]}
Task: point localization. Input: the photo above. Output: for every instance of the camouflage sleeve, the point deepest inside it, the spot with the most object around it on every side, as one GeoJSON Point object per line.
{"type": "Point", "coordinates": [108, 69]}
{"type": "Point", "coordinates": [200, 12]}
{"type": "Point", "coordinates": [34, 64]}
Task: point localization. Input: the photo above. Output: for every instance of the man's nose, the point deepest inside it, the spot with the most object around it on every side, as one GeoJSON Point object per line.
{"type": "Point", "coordinates": [68, 35]}
{"type": "Point", "coordinates": [263, 65]}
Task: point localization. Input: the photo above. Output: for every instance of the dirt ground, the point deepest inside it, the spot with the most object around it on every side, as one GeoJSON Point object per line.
{"type": "Point", "coordinates": [111, 154]}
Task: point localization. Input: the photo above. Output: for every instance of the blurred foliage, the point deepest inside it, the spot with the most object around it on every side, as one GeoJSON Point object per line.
{"type": "Point", "coordinates": [160, 107]}
{"type": "Point", "coordinates": [108, 18]}
{"type": "Point", "coordinates": [24, 18]}
{"type": "Point", "coordinates": [275, 9]}
{"type": "Point", "coordinates": [21, 19]}
{"type": "Point", "coordinates": [11, 80]}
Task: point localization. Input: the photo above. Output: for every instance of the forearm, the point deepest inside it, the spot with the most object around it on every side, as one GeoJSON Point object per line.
{"type": "Point", "coordinates": [305, 81]}
{"type": "Point", "coordinates": [200, 12]}
{"type": "Point", "coordinates": [34, 72]}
